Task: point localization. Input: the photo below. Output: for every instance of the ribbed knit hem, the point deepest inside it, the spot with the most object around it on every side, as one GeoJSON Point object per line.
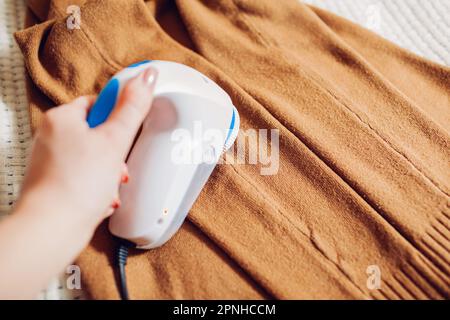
{"type": "Point", "coordinates": [427, 275]}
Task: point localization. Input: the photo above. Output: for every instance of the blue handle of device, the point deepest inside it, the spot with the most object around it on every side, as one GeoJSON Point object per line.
{"type": "Point", "coordinates": [106, 100]}
{"type": "Point", "coordinates": [104, 104]}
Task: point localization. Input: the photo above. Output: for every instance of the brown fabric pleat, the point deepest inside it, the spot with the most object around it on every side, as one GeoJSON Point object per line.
{"type": "Point", "coordinates": [364, 149]}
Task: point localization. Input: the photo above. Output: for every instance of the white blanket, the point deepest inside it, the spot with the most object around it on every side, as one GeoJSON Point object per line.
{"type": "Point", "coordinates": [421, 26]}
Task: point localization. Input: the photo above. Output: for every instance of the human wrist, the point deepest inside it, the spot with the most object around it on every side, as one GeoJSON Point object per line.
{"type": "Point", "coordinates": [49, 202]}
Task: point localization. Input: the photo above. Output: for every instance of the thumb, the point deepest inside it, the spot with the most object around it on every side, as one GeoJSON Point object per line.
{"type": "Point", "coordinates": [78, 107]}
{"type": "Point", "coordinates": [131, 109]}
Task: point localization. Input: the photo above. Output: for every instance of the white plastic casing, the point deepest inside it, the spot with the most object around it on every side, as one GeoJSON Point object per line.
{"type": "Point", "coordinates": [191, 122]}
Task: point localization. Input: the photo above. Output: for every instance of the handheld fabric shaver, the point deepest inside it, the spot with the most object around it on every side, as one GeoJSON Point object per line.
{"type": "Point", "coordinates": [191, 123]}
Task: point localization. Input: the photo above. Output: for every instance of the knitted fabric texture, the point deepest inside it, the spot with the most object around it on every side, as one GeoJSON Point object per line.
{"type": "Point", "coordinates": [363, 179]}
{"type": "Point", "coordinates": [416, 25]}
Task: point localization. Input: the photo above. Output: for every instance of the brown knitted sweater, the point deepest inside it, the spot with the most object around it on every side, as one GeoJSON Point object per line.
{"type": "Point", "coordinates": [364, 170]}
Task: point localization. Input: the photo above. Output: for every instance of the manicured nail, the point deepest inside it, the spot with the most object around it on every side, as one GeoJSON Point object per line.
{"type": "Point", "coordinates": [125, 177]}
{"type": "Point", "coordinates": [116, 204]}
{"type": "Point", "coordinates": [149, 76]}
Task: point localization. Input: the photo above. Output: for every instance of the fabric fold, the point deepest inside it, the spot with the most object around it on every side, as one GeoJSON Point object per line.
{"type": "Point", "coordinates": [364, 148]}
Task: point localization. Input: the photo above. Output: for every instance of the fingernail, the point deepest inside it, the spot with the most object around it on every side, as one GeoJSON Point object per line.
{"type": "Point", "coordinates": [116, 204]}
{"type": "Point", "coordinates": [125, 177]}
{"type": "Point", "coordinates": [149, 76]}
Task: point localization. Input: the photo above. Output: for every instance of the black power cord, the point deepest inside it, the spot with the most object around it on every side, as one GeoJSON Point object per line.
{"type": "Point", "coordinates": [121, 262]}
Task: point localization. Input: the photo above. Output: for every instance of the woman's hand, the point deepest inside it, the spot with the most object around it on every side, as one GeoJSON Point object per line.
{"type": "Point", "coordinates": [71, 185]}
{"type": "Point", "coordinates": [79, 169]}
